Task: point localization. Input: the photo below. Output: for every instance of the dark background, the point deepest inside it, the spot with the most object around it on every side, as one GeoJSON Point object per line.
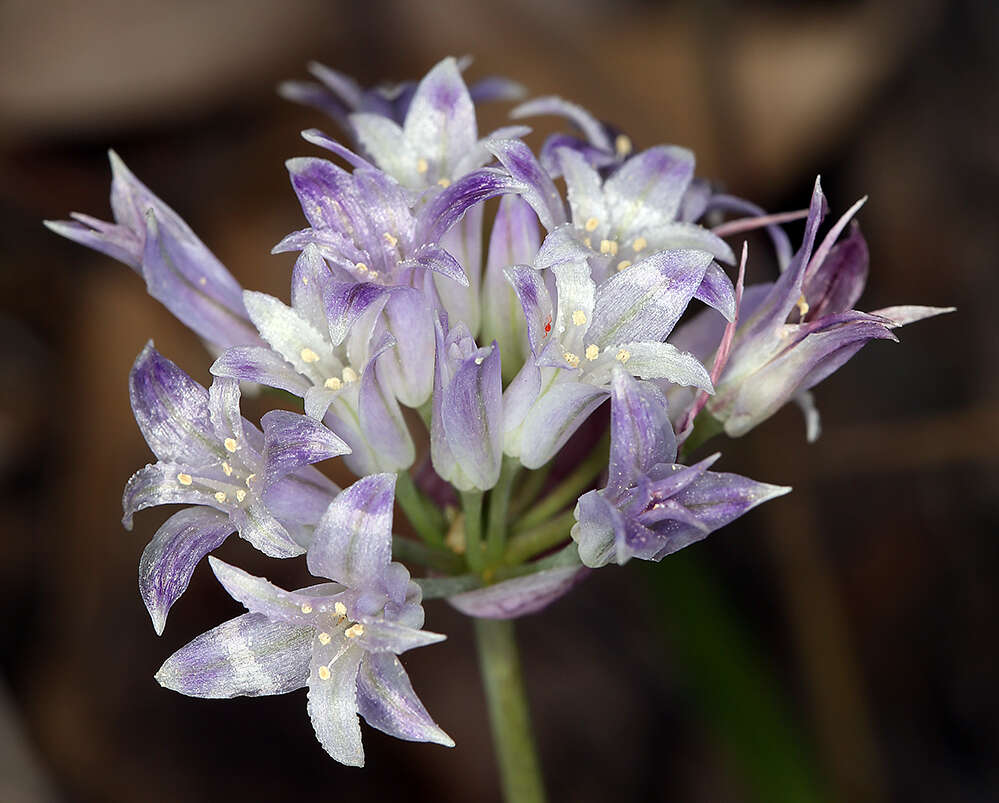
{"type": "Point", "coordinates": [836, 644]}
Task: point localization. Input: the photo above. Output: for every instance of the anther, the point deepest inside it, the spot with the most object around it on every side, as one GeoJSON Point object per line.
{"type": "Point", "coordinates": [623, 355]}
{"type": "Point", "coordinates": [240, 495]}
{"type": "Point", "coordinates": [587, 242]}
{"type": "Point", "coordinates": [202, 281]}
{"type": "Point", "coordinates": [324, 638]}
{"type": "Point", "coordinates": [592, 352]}
{"type": "Point", "coordinates": [349, 375]}
{"type": "Point", "coordinates": [422, 166]}
{"type": "Point", "coordinates": [622, 145]}
{"type": "Point", "coordinates": [339, 608]}
{"type": "Point", "coordinates": [324, 673]}
{"type": "Point", "coordinates": [227, 469]}
{"type": "Point", "coordinates": [479, 360]}
{"type": "Point", "coordinates": [572, 359]}
{"type": "Point", "coordinates": [608, 247]}
{"type": "Point", "coordinates": [308, 355]}
{"type": "Point", "coordinates": [802, 305]}
{"type": "Point", "coordinates": [591, 223]}
{"type": "Point", "coordinates": [623, 264]}
{"type": "Point", "coordinates": [219, 496]}
{"type": "Point", "coordinates": [360, 267]}
{"type": "Point", "coordinates": [444, 182]}
{"type": "Point", "coordinates": [184, 479]}
{"type": "Point", "coordinates": [579, 317]}
{"type": "Point", "coordinates": [390, 239]}
{"type": "Point", "coordinates": [639, 244]}
{"type": "Point", "coordinates": [306, 607]}
{"type": "Point", "coordinates": [249, 479]}
{"type": "Point", "coordinates": [354, 631]}
{"type": "Point", "coordinates": [333, 383]}
{"type": "Point", "coordinates": [231, 444]}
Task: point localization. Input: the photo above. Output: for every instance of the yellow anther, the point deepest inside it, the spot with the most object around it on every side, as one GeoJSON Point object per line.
{"type": "Point", "coordinates": [639, 244]}
{"type": "Point", "coordinates": [802, 306]}
{"type": "Point", "coordinates": [306, 607]}
{"type": "Point", "coordinates": [479, 360]}
{"type": "Point", "coordinates": [623, 355]}
{"type": "Point", "coordinates": [591, 224]}
{"type": "Point", "coordinates": [324, 673]}
{"type": "Point", "coordinates": [592, 352]}
{"type": "Point", "coordinates": [308, 355]}
{"type": "Point", "coordinates": [240, 495]}
{"type": "Point", "coordinates": [623, 264]}
{"type": "Point", "coordinates": [185, 479]}
{"type": "Point", "coordinates": [608, 247]}
{"type": "Point", "coordinates": [354, 631]}
{"type": "Point", "coordinates": [349, 375]}
{"type": "Point", "coordinates": [572, 359]}
{"type": "Point", "coordinates": [219, 496]}
{"type": "Point", "coordinates": [333, 383]}
{"type": "Point", "coordinates": [373, 274]}
{"type": "Point", "coordinates": [231, 444]}
{"type": "Point", "coordinates": [422, 166]}
{"type": "Point", "coordinates": [305, 280]}
{"type": "Point", "coordinates": [587, 242]}
{"type": "Point", "coordinates": [227, 469]}
{"type": "Point", "coordinates": [360, 267]}
{"type": "Point", "coordinates": [202, 281]}
{"type": "Point", "coordinates": [579, 317]}
{"type": "Point", "coordinates": [444, 182]}
{"type": "Point", "coordinates": [390, 239]}
{"type": "Point", "coordinates": [324, 638]}
{"type": "Point", "coordinates": [249, 479]}
{"type": "Point", "coordinates": [622, 145]}
{"type": "Point", "coordinates": [339, 609]}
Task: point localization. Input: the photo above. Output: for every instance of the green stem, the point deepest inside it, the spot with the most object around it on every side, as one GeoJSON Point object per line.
{"type": "Point", "coordinates": [567, 491]}
{"type": "Point", "coordinates": [415, 552]}
{"type": "Point", "coordinates": [471, 503]}
{"type": "Point", "coordinates": [499, 662]}
{"type": "Point", "coordinates": [529, 489]}
{"type": "Point", "coordinates": [527, 543]}
{"type": "Point", "coordinates": [425, 517]}
{"type": "Point", "coordinates": [499, 502]}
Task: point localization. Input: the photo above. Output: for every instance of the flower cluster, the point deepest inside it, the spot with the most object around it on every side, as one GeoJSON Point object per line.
{"type": "Point", "coordinates": [616, 289]}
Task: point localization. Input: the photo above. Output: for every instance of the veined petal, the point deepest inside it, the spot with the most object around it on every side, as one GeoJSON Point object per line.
{"type": "Point", "coordinates": [529, 285]}
{"type": "Point", "coordinates": [118, 242]}
{"type": "Point", "coordinates": [310, 281]}
{"type": "Point", "coordinates": [585, 191]}
{"type": "Point", "coordinates": [382, 425]}
{"type": "Point", "coordinates": [652, 360]}
{"type": "Point", "coordinates": [289, 334]}
{"type": "Point", "coordinates": [169, 559]}
{"type": "Point", "coordinates": [537, 187]}
{"type": "Point", "coordinates": [555, 416]}
{"type": "Point", "coordinates": [260, 364]}
{"type": "Point", "coordinates": [716, 291]}
{"type": "Point", "coordinates": [646, 190]}
{"type": "Point", "coordinates": [641, 433]}
{"type": "Point", "coordinates": [345, 303]}
{"type": "Point", "coordinates": [333, 700]}
{"type": "Point", "coordinates": [171, 409]}
{"type": "Point", "coordinates": [435, 258]}
{"type": "Point", "coordinates": [519, 596]}
{"type": "Point", "coordinates": [353, 540]}
{"type": "Point", "coordinates": [329, 197]}
{"type": "Point", "coordinates": [576, 294]}
{"type": "Point", "coordinates": [440, 123]}
{"type": "Point", "coordinates": [300, 498]}
{"type": "Point", "coordinates": [671, 236]}
{"type": "Point", "coordinates": [261, 596]}
{"type": "Point", "coordinates": [645, 301]}
{"type": "Point", "coordinates": [257, 525]}
{"type": "Point", "coordinates": [162, 484]}
{"type": "Point", "coordinates": [384, 636]}
{"type": "Point", "coordinates": [292, 441]}
{"type": "Point", "coordinates": [386, 700]}
{"type": "Point", "coordinates": [317, 137]}
{"type": "Point", "coordinates": [407, 369]}
{"type": "Point", "coordinates": [464, 243]}
{"type": "Point", "coordinates": [447, 207]}
{"type": "Point", "coordinates": [910, 313]}
{"type": "Point", "coordinates": [248, 655]}
{"type": "Point", "coordinates": [597, 528]}
{"type": "Point", "coordinates": [223, 408]}
{"type": "Point", "coordinates": [551, 104]}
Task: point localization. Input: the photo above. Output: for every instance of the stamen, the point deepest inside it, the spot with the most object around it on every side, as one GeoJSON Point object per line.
{"type": "Point", "coordinates": [219, 496]}
{"type": "Point", "coordinates": [587, 242]}
{"type": "Point", "coordinates": [592, 351]}
{"type": "Point", "coordinates": [608, 247]}
{"type": "Point", "coordinates": [354, 631]}
{"type": "Point", "coordinates": [422, 166]}
{"type": "Point", "coordinates": [639, 244]}
{"type": "Point", "coordinates": [308, 355]}
{"type": "Point", "coordinates": [227, 469]}
{"type": "Point", "coordinates": [240, 495]}
{"type": "Point", "coordinates": [572, 359]}
{"type": "Point", "coordinates": [349, 375]}
{"type": "Point", "coordinates": [360, 267]}
{"type": "Point", "coordinates": [591, 224]}
{"type": "Point", "coordinates": [444, 182]}
{"type": "Point", "coordinates": [622, 145]}
{"type": "Point", "coordinates": [390, 239]}
{"type": "Point", "coordinates": [579, 317]}
{"type": "Point", "coordinates": [324, 673]}
{"type": "Point", "coordinates": [623, 264]}
{"type": "Point", "coordinates": [324, 638]}
{"type": "Point", "coordinates": [306, 607]}
{"type": "Point", "coordinates": [339, 608]}
{"type": "Point", "coordinates": [373, 274]}
{"type": "Point", "coordinates": [231, 444]}
{"type": "Point", "coordinates": [185, 479]}
{"type": "Point", "coordinates": [202, 281]}
{"type": "Point", "coordinates": [479, 360]}
{"type": "Point", "coordinates": [802, 305]}
{"type": "Point", "coordinates": [333, 383]}
{"type": "Point", "coordinates": [249, 479]}
{"type": "Point", "coordinates": [623, 355]}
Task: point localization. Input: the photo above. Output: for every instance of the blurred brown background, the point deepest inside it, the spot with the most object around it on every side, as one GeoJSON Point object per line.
{"type": "Point", "coordinates": [837, 644]}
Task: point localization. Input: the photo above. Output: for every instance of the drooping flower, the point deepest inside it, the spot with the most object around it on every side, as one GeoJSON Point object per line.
{"type": "Point", "coordinates": [466, 429]}
{"type": "Point", "coordinates": [651, 506]}
{"type": "Point", "coordinates": [179, 270]}
{"type": "Point", "coordinates": [322, 351]}
{"type": "Point", "coordinates": [259, 484]}
{"type": "Point", "coordinates": [339, 639]}
{"type": "Point", "coordinates": [622, 321]}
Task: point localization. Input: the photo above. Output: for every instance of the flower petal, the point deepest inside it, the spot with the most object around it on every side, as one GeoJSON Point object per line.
{"type": "Point", "coordinates": [161, 484]}
{"type": "Point", "coordinates": [641, 434]}
{"type": "Point", "coordinates": [536, 186]}
{"type": "Point", "coordinates": [555, 416]}
{"type": "Point", "coordinates": [292, 441]}
{"type": "Point", "coordinates": [260, 364]}
{"type": "Point", "coordinates": [519, 596]}
{"type": "Point", "coordinates": [383, 636]}
{"type": "Point", "coordinates": [440, 124]}
{"type": "Point", "coordinates": [333, 700]}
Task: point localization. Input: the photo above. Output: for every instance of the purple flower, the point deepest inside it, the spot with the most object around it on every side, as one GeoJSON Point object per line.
{"type": "Point", "coordinates": [651, 506]}
{"type": "Point", "coordinates": [621, 322]}
{"type": "Point", "coordinates": [179, 270]}
{"type": "Point", "coordinates": [260, 485]}
{"type": "Point", "coordinates": [798, 330]}
{"type": "Point", "coordinates": [466, 430]}
{"type": "Point", "coordinates": [339, 639]}
{"type": "Point", "coordinates": [324, 349]}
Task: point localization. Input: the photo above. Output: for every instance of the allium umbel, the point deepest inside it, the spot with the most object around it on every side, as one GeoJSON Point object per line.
{"type": "Point", "coordinates": [601, 281]}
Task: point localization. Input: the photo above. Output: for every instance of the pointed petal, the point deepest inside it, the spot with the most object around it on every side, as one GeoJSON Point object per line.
{"type": "Point", "coordinates": [584, 189]}
{"type": "Point", "coordinates": [118, 242]}
{"type": "Point", "coordinates": [383, 426]}
{"type": "Point", "coordinates": [260, 364]}
{"type": "Point", "coordinates": [353, 541]}
{"type": "Point", "coordinates": [160, 484]}
{"type": "Point", "coordinates": [647, 189]}
{"type": "Point", "coordinates": [836, 284]}
{"type": "Point", "coordinates": [383, 636]}
{"type": "Point", "coordinates": [328, 197]}
{"type": "Point", "coordinates": [292, 441]}
{"type": "Point", "coordinates": [386, 700]}
{"type": "Point", "coordinates": [440, 124]}
{"type": "Point", "coordinates": [716, 291]}
{"type": "Point", "coordinates": [257, 525]}
{"type": "Point", "coordinates": [435, 258]}
{"type": "Point", "coordinates": [248, 655]}
{"type": "Point", "coordinates": [407, 369]}
{"type": "Point", "coordinates": [652, 360]}
{"type": "Point", "coordinates": [641, 434]}
{"type": "Point", "coordinates": [536, 303]}
{"type": "Point", "coordinates": [551, 104]}
{"type": "Point", "coordinates": [333, 701]}
{"type": "Point", "coordinates": [519, 596]}
{"type": "Point", "coordinates": [169, 559]}
{"type": "Point", "coordinates": [447, 207]}
{"type": "Point", "coordinates": [261, 596]}
{"type": "Point", "coordinates": [290, 335]}
{"type": "Point", "coordinates": [645, 301]}
{"type": "Point", "coordinates": [910, 313]}
{"type": "Point", "coordinates": [554, 417]}
{"type": "Point", "coordinates": [317, 137]}
{"type": "Point", "coordinates": [537, 187]}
